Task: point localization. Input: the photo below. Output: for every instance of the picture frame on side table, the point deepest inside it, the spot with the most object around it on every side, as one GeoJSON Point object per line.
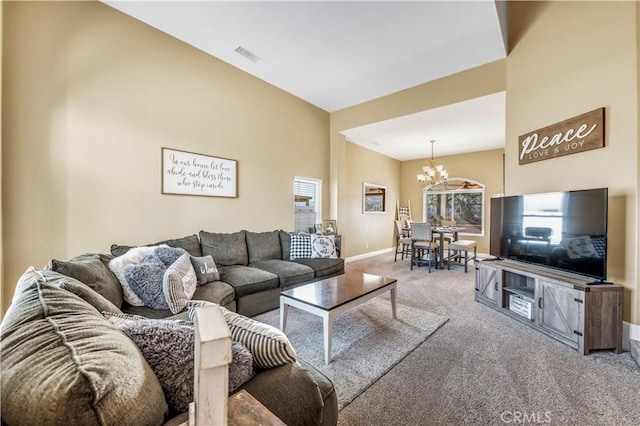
{"type": "Point", "coordinates": [330, 227]}
{"type": "Point", "coordinates": [319, 228]}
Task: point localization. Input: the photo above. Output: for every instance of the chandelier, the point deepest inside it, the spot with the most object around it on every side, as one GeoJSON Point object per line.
{"type": "Point", "coordinates": [432, 175]}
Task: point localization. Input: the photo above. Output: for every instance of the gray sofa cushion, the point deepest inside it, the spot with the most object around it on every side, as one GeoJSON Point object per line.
{"type": "Point", "coordinates": [93, 270]}
{"type": "Point", "coordinates": [226, 249]}
{"type": "Point", "coordinates": [217, 291]}
{"type": "Point", "coordinates": [285, 244]}
{"type": "Point", "coordinates": [246, 280]}
{"type": "Point", "coordinates": [63, 363]}
{"type": "Point", "coordinates": [289, 273]}
{"type": "Point", "coordinates": [190, 243]}
{"type": "Point", "coordinates": [263, 246]}
{"type": "Point", "coordinates": [323, 267]}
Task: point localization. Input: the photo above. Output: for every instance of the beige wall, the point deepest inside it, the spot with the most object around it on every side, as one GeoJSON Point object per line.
{"type": "Point", "coordinates": [484, 167]}
{"type": "Point", "coordinates": [568, 58]}
{"type": "Point", "coordinates": [368, 232]}
{"type": "Point", "coordinates": [91, 96]}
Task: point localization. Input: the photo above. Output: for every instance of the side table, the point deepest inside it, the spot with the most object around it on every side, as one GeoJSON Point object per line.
{"type": "Point", "coordinates": [244, 410]}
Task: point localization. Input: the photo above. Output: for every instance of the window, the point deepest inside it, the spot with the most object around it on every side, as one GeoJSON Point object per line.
{"type": "Point", "coordinates": [459, 199]}
{"type": "Point", "coordinates": [307, 203]}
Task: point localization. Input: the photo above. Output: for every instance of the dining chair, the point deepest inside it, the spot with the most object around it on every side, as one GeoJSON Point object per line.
{"type": "Point", "coordinates": [423, 248]}
{"type": "Point", "coordinates": [403, 242]}
{"type": "Point", "coordinates": [460, 247]}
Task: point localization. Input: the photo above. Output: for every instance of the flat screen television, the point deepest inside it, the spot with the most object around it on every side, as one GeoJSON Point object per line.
{"type": "Point", "coordinates": [561, 230]}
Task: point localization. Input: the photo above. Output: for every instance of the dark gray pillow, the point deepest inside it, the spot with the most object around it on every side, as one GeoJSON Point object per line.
{"type": "Point", "coordinates": [93, 270]}
{"type": "Point", "coordinates": [70, 284]}
{"type": "Point", "coordinates": [190, 243]}
{"type": "Point", "coordinates": [87, 294]}
{"type": "Point", "coordinates": [206, 270]}
{"type": "Point", "coordinates": [263, 246]}
{"type": "Point", "coordinates": [145, 279]}
{"type": "Point", "coordinates": [168, 255]}
{"type": "Point", "coordinates": [226, 249]}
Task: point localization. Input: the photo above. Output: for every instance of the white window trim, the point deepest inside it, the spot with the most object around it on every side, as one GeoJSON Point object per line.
{"type": "Point", "coordinates": [318, 201]}
{"type": "Point", "coordinates": [426, 192]}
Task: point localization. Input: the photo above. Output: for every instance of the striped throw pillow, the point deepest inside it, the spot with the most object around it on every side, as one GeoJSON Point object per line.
{"type": "Point", "coordinates": [268, 345]}
{"type": "Point", "coordinates": [179, 283]}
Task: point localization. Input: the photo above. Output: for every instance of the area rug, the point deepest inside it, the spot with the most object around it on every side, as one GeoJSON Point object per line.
{"type": "Point", "coordinates": [367, 342]}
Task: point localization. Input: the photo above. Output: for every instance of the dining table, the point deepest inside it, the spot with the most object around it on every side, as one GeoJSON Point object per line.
{"type": "Point", "coordinates": [441, 231]}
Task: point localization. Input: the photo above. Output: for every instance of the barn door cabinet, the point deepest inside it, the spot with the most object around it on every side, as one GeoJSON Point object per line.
{"type": "Point", "coordinates": [561, 305]}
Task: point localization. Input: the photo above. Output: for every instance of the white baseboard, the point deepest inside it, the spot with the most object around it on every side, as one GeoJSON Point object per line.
{"type": "Point", "coordinates": [629, 331]}
{"type": "Point", "coordinates": [370, 254]}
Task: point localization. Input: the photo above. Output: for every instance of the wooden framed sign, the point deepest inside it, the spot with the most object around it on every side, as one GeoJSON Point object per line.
{"type": "Point", "coordinates": [577, 134]}
{"type": "Point", "coordinates": [187, 173]}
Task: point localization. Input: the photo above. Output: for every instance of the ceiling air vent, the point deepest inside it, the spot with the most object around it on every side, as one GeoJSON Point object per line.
{"type": "Point", "coordinates": [247, 54]}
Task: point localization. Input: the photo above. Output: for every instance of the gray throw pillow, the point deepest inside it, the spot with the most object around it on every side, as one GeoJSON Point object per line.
{"type": "Point", "coordinates": [93, 270]}
{"type": "Point", "coordinates": [169, 255]}
{"type": "Point", "coordinates": [168, 348]}
{"type": "Point", "coordinates": [120, 263]}
{"type": "Point", "coordinates": [145, 279]}
{"type": "Point", "coordinates": [205, 268]}
{"type": "Point", "coordinates": [241, 367]}
{"type": "Point", "coordinates": [68, 283]}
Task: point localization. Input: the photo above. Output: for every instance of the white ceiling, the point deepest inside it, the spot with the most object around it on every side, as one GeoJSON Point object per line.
{"type": "Point", "coordinates": [474, 125]}
{"type": "Point", "coordinates": [335, 54]}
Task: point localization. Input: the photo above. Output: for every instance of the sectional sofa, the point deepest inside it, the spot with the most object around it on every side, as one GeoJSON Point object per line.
{"type": "Point", "coordinates": [64, 362]}
{"type": "Point", "coordinates": [254, 268]}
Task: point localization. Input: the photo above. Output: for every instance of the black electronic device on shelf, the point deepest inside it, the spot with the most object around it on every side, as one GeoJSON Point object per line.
{"type": "Point", "coordinates": [561, 230]}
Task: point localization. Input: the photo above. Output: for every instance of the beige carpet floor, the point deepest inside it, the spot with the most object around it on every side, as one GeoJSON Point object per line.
{"type": "Point", "coordinates": [484, 368]}
{"type": "Point", "coordinates": [367, 341]}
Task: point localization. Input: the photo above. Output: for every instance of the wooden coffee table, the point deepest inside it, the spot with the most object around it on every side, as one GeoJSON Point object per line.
{"type": "Point", "coordinates": [330, 297]}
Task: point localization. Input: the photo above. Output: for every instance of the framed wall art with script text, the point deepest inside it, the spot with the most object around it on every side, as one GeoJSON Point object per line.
{"type": "Point", "coordinates": [583, 132]}
{"type": "Point", "coordinates": [186, 173]}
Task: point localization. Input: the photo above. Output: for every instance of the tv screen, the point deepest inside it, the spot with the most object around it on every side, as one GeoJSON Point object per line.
{"type": "Point", "coordinates": [562, 230]}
